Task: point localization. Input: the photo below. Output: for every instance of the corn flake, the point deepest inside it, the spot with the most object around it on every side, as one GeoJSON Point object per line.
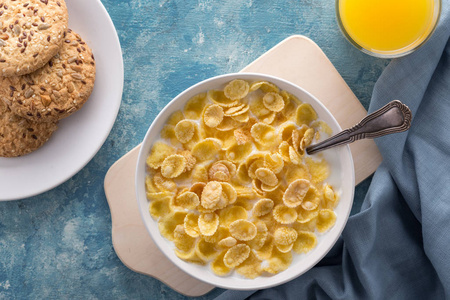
{"type": "Point", "coordinates": [150, 187]}
{"type": "Point", "coordinates": [236, 89]}
{"type": "Point", "coordinates": [227, 242]}
{"type": "Point", "coordinates": [219, 172]}
{"type": "Point", "coordinates": [221, 233]}
{"type": "Point", "coordinates": [232, 184]}
{"type": "Point", "coordinates": [158, 154]}
{"type": "Point", "coordinates": [205, 250]}
{"type": "Point", "coordinates": [234, 109]}
{"type": "Point", "coordinates": [307, 139]}
{"type": "Point", "coordinates": [284, 214]}
{"type": "Point", "coordinates": [208, 223]}
{"type": "Point", "coordinates": [319, 170]}
{"type": "Point", "coordinates": [285, 236]}
{"type": "Point", "coordinates": [173, 166]}
{"type": "Point", "coordinates": [265, 252]}
{"type": "Point", "coordinates": [255, 165]}
{"type": "Point", "coordinates": [268, 119]}
{"type": "Point", "coordinates": [305, 114]}
{"type": "Point", "coordinates": [267, 188]}
{"type": "Point", "coordinates": [311, 200]}
{"type": "Point", "coordinates": [261, 236]}
{"type": "Point", "coordinates": [190, 160]}
{"type": "Point", "coordinates": [306, 241]}
{"type": "Point", "coordinates": [273, 102]}
{"type": "Point", "coordinates": [242, 136]}
{"type": "Point", "coordinates": [168, 133]}
{"type": "Point", "coordinates": [218, 266]}
{"type": "Point", "coordinates": [184, 130]}
{"type": "Point", "coordinates": [199, 173]}
{"type": "Point", "coordinates": [197, 136]}
{"type": "Point", "coordinates": [175, 118]}
{"type": "Point", "coordinates": [207, 149]}
{"type": "Point", "coordinates": [218, 97]}
{"type": "Point", "coordinates": [265, 86]}
{"type": "Point", "coordinates": [242, 118]}
{"type": "Point", "coordinates": [230, 214]}
{"type": "Point", "coordinates": [251, 267]}
{"type": "Point", "coordinates": [330, 197]}
{"type": "Point", "coordinates": [294, 172]}
{"type": "Point", "coordinates": [290, 104]}
{"type": "Point", "coordinates": [322, 127]}
{"type": "Point", "coordinates": [159, 195]}
{"type": "Point", "coordinates": [294, 156]}
{"type": "Point", "coordinates": [264, 134]}
{"type": "Point", "coordinates": [278, 261]}
{"type": "Point", "coordinates": [228, 123]}
{"type": "Point", "coordinates": [211, 195]}
{"type": "Point", "coordinates": [286, 130]}
{"type": "Point", "coordinates": [296, 192]}
{"type": "Point", "coordinates": [258, 108]}
{"type": "Point", "coordinates": [213, 115]}
{"type": "Point", "coordinates": [242, 174]}
{"type": "Point", "coordinates": [190, 256]}
{"type": "Point", "coordinates": [164, 184]}
{"type": "Point", "coordinates": [191, 225]}
{"type": "Point", "coordinates": [262, 207]}
{"type": "Point", "coordinates": [183, 241]}
{"type": "Point", "coordinates": [194, 106]}
{"type": "Point", "coordinates": [325, 220]}
{"type": "Point", "coordinates": [229, 192]}
{"type": "Point", "coordinates": [305, 226]}
{"type": "Point", "coordinates": [285, 248]}
{"type": "Point", "coordinates": [274, 162]}
{"type": "Point", "coordinates": [236, 255]}
{"type": "Point", "coordinates": [237, 153]}
{"type": "Point", "coordinates": [243, 230]}
{"type": "Point", "coordinates": [266, 176]}
{"type": "Point", "coordinates": [243, 202]}
{"type": "Point", "coordinates": [159, 208]}
{"type": "Point", "coordinates": [169, 222]}
{"type": "Point", "coordinates": [187, 200]}
{"type": "Point", "coordinates": [256, 185]}
{"type": "Point", "coordinates": [237, 110]}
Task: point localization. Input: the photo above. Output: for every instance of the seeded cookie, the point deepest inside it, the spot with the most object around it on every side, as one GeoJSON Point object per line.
{"type": "Point", "coordinates": [56, 90]}
{"type": "Point", "coordinates": [19, 136]}
{"type": "Point", "coordinates": [31, 32]}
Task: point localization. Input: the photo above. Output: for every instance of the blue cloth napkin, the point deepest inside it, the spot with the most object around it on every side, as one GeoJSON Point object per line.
{"type": "Point", "coordinates": [398, 246]}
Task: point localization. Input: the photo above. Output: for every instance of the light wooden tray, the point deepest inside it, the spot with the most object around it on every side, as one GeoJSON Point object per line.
{"type": "Point", "coordinates": [296, 59]}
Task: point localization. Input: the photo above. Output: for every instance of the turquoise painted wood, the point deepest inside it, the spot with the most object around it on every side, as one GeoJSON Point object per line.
{"type": "Point", "coordinates": [58, 244]}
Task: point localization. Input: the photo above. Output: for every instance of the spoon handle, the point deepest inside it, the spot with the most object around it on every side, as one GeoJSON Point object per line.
{"type": "Point", "coordinates": [391, 118]}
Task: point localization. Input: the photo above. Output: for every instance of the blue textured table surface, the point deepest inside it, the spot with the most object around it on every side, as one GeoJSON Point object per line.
{"type": "Point", "coordinates": [58, 244]}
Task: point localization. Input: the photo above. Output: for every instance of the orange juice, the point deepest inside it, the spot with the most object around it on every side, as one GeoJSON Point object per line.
{"type": "Point", "coordinates": [388, 26]}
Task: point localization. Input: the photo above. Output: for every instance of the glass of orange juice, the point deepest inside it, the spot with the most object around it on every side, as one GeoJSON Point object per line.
{"type": "Point", "coordinates": [387, 28]}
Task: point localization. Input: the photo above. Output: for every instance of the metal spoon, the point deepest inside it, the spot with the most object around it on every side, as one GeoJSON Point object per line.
{"type": "Point", "coordinates": [392, 118]}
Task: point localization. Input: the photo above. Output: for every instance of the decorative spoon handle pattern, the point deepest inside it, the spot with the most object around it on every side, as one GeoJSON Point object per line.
{"type": "Point", "coordinates": [392, 118]}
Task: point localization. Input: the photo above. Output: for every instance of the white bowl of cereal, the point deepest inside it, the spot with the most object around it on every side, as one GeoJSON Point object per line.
{"type": "Point", "coordinates": [226, 190]}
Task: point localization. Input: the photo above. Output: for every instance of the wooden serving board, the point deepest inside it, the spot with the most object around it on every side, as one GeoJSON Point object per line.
{"type": "Point", "coordinates": [296, 59]}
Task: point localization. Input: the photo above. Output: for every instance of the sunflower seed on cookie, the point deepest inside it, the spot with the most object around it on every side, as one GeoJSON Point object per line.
{"type": "Point", "coordinates": [31, 32]}
{"type": "Point", "coordinates": [58, 89]}
{"type": "Point", "coordinates": [19, 136]}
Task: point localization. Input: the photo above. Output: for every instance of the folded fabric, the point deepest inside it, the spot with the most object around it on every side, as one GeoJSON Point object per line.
{"type": "Point", "coordinates": [397, 247]}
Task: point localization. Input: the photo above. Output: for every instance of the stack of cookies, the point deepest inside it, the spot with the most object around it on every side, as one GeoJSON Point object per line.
{"type": "Point", "coordinates": [47, 73]}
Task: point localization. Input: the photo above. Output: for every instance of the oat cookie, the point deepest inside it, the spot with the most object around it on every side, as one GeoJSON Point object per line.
{"type": "Point", "coordinates": [19, 136]}
{"type": "Point", "coordinates": [31, 32]}
{"type": "Point", "coordinates": [56, 90]}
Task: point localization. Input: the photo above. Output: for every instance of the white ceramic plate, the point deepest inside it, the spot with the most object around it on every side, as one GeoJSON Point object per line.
{"type": "Point", "coordinates": [81, 135]}
{"type": "Point", "coordinates": [342, 178]}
